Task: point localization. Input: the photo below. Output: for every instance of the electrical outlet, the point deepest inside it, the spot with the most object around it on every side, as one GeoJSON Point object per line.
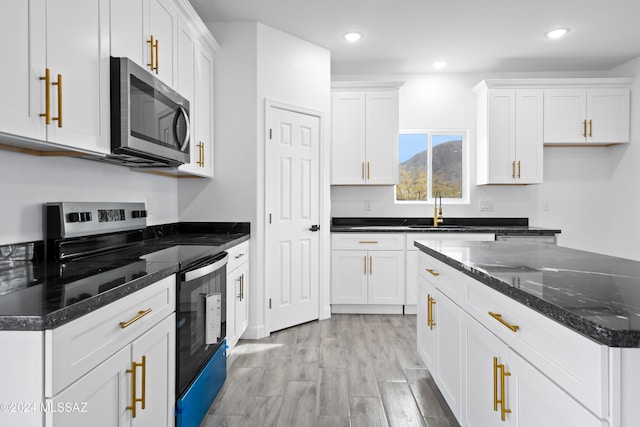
{"type": "Point", "coordinates": [486, 205]}
{"type": "Point", "coordinates": [150, 206]}
{"type": "Point", "coordinates": [546, 206]}
{"type": "Point", "coordinates": [367, 205]}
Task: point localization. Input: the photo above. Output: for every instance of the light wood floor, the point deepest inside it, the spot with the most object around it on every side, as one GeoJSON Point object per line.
{"type": "Point", "coordinates": [350, 370]}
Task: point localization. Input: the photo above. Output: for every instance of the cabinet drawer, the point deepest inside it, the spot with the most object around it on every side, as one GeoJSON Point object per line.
{"type": "Point", "coordinates": [238, 255]}
{"type": "Point", "coordinates": [574, 362]}
{"type": "Point", "coordinates": [412, 237]}
{"type": "Point", "coordinates": [443, 277]}
{"type": "Point", "coordinates": [368, 242]}
{"type": "Point", "coordinates": [74, 349]}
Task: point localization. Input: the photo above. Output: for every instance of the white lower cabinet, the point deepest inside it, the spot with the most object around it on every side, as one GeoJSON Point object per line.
{"type": "Point", "coordinates": [237, 293]}
{"type": "Point", "coordinates": [106, 396]}
{"type": "Point", "coordinates": [491, 375]}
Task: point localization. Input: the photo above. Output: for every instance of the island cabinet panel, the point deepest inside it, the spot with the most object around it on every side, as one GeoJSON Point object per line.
{"type": "Point", "coordinates": [513, 364]}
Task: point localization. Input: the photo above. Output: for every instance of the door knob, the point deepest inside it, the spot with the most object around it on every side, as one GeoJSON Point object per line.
{"type": "Point", "coordinates": [314, 227]}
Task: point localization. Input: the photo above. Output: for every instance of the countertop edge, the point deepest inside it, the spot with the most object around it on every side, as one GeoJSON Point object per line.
{"type": "Point", "coordinates": [600, 334]}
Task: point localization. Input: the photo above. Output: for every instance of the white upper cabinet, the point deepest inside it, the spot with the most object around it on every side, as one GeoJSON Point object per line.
{"type": "Point", "coordinates": [57, 89]}
{"type": "Point", "coordinates": [146, 32]}
{"type": "Point", "coordinates": [586, 115]}
{"type": "Point", "coordinates": [364, 133]}
{"type": "Point", "coordinates": [510, 127]}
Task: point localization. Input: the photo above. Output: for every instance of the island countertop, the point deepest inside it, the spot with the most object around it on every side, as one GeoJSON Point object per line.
{"type": "Point", "coordinates": [593, 294]}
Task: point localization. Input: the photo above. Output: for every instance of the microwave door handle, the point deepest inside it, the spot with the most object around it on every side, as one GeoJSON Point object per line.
{"type": "Point", "coordinates": [185, 143]}
{"type": "Point", "coordinates": [207, 269]}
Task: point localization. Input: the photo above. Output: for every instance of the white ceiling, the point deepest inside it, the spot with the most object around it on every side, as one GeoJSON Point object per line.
{"type": "Point", "coordinates": [407, 36]}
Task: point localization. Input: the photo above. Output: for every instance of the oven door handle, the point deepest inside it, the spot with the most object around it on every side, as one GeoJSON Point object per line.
{"type": "Point", "coordinates": [207, 269]}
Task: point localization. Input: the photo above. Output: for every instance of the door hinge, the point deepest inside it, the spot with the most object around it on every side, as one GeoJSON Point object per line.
{"type": "Point", "coordinates": [269, 303]}
{"type": "Point", "coordinates": [270, 133]}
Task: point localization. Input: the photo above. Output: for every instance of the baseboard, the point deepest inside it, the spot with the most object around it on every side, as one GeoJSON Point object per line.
{"type": "Point", "coordinates": [365, 309]}
{"type": "Point", "coordinates": [254, 333]}
{"type": "Point", "coordinates": [410, 309]}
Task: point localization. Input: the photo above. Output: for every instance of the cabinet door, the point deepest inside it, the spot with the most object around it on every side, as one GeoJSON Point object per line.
{"type": "Point", "coordinates": [349, 277]}
{"type": "Point", "coordinates": [501, 136]}
{"type": "Point", "coordinates": [447, 332]}
{"type": "Point", "coordinates": [537, 401]}
{"type": "Point", "coordinates": [412, 278]}
{"type": "Point", "coordinates": [242, 312]}
{"type": "Point", "coordinates": [163, 27]}
{"type": "Point", "coordinates": [608, 115]}
{"type": "Point", "coordinates": [382, 138]}
{"type": "Point", "coordinates": [186, 86]}
{"type": "Point", "coordinates": [78, 51]}
{"type": "Point", "coordinates": [479, 347]}
{"type": "Point", "coordinates": [106, 392]}
{"type": "Point", "coordinates": [233, 280]}
{"type": "Point", "coordinates": [565, 111]}
{"type": "Point", "coordinates": [528, 136]}
{"type": "Point", "coordinates": [426, 333]}
{"type": "Point", "coordinates": [127, 31]}
{"type": "Point", "coordinates": [22, 29]}
{"type": "Point", "coordinates": [156, 380]}
{"type": "Point", "coordinates": [348, 138]}
{"type": "Point", "coordinates": [386, 277]}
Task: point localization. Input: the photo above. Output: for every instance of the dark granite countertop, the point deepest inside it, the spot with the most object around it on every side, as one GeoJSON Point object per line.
{"type": "Point", "coordinates": [37, 295]}
{"type": "Point", "coordinates": [593, 294]}
{"type": "Point", "coordinates": [500, 226]}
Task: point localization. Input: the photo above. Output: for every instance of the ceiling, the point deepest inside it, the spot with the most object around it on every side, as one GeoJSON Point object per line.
{"type": "Point", "coordinates": [407, 36]}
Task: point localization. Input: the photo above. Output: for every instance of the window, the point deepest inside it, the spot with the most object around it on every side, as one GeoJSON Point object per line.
{"type": "Point", "coordinates": [431, 162]}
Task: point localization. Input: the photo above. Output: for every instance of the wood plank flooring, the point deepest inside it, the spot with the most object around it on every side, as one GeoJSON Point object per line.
{"type": "Point", "coordinates": [350, 370]}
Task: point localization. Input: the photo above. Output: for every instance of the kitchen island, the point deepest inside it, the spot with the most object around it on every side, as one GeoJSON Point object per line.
{"type": "Point", "coordinates": [551, 333]}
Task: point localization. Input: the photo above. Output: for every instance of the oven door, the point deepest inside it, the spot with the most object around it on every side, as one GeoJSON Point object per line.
{"type": "Point", "coordinates": [200, 317]}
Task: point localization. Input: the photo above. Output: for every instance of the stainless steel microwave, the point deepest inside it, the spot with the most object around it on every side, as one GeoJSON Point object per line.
{"type": "Point", "coordinates": [149, 120]}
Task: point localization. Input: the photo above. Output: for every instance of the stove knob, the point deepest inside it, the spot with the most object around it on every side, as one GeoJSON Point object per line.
{"type": "Point", "coordinates": [85, 216]}
{"type": "Point", "coordinates": [143, 213]}
{"type": "Point", "coordinates": [135, 214]}
{"type": "Point", "coordinates": [73, 217]}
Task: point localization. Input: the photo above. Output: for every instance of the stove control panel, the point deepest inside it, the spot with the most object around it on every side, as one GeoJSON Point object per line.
{"type": "Point", "coordinates": [76, 219]}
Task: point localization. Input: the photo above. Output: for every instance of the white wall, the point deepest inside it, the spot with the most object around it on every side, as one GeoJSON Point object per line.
{"type": "Point", "coordinates": [30, 181]}
{"type": "Point", "coordinates": [576, 180]}
{"type": "Point", "coordinates": [253, 64]}
{"type": "Point", "coordinates": [622, 213]}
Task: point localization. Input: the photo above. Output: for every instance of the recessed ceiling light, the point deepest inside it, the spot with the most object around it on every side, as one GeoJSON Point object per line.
{"type": "Point", "coordinates": [555, 34]}
{"type": "Point", "coordinates": [352, 36]}
{"type": "Point", "coordinates": [439, 64]}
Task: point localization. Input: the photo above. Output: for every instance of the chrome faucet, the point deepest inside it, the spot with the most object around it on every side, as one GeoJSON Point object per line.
{"type": "Point", "coordinates": [437, 211]}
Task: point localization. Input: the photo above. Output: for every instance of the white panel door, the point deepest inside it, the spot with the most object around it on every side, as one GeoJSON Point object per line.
{"type": "Point", "coordinates": [78, 52]}
{"type": "Point", "coordinates": [349, 277]}
{"type": "Point", "coordinates": [501, 136]}
{"type": "Point", "coordinates": [22, 31]}
{"type": "Point", "coordinates": [426, 333]}
{"type": "Point", "coordinates": [348, 138]}
{"type": "Point", "coordinates": [162, 26]}
{"type": "Point", "coordinates": [293, 192]}
{"type": "Point", "coordinates": [127, 31]}
{"type": "Point", "coordinates": [447, 372]}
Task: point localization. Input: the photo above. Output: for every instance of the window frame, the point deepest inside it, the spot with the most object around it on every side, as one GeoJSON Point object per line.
{"type": "Point", "coordinates": [464, 133]}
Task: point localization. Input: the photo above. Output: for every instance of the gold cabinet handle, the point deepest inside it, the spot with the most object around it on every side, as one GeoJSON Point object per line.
{"type": "Point", "coordinates": [59, 84]}
{"type": "Point", "coordinates": [498, 317]}
{"type": "Point", "coordinates": [495, 384]}
{"type": "Point", "coordinates": [430, 303]}
{"type": "Point", "coordinates": [368, 170]}
{"type": "Point", "coordinates": [365, 265]}
{"type": "Point", "coordinates": [370, 265]}
{"type": "Point", "coordinates": [138, 316]}
{"type": "Point", "coordinates": [433, 272]}
{"type": "Point", "coordinates": [157, 57]}
{"type": "Point", "coordinates": [503, 409]}
{"type": "Point", "coordinates": [584, 128]}
{"type": "Point", "coordinates": [240, 255]}
{"type": "Point", "coordinates": [134, 399]}
{"type": "Point", "coordinates": [47, 96]}
{"type": "Point", "coordinates": [242, 287]}
{"type": "Point", "coordinates": [368, 242]}
{"type": "Point", "coordinates": [151, 63]}
{"type": "Point", "coordinates": [590, 128]}
{"type": "Point", "coordinates": [362, 171]}
{"type": "Point", "coordinates": [518, 168]}
{"type": "Point", "coordinates": [200, 161]}
{"type": "Point", "coordinates": [513, 169]}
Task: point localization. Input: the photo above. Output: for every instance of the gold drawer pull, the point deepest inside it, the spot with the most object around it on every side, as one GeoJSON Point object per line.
{"type": "Point", "coordinates": [134, 399]}
{"type": "Point", "coordinates": [499, 318]}
{"type": "Point", "coordinates": [368, 242]}
{"type": "Point", "coordinates": [430, 303]}
{"type": "Point", "coordinates": [59, 84]}
{"type": "Point", "coordinates": [584, 128]}
{"type": "Point", "coordinates": [139, 316]}
{"type": "Point", "coordinates": [47, 96]}
{"type": "Point", "coordinates": [433, 272]}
